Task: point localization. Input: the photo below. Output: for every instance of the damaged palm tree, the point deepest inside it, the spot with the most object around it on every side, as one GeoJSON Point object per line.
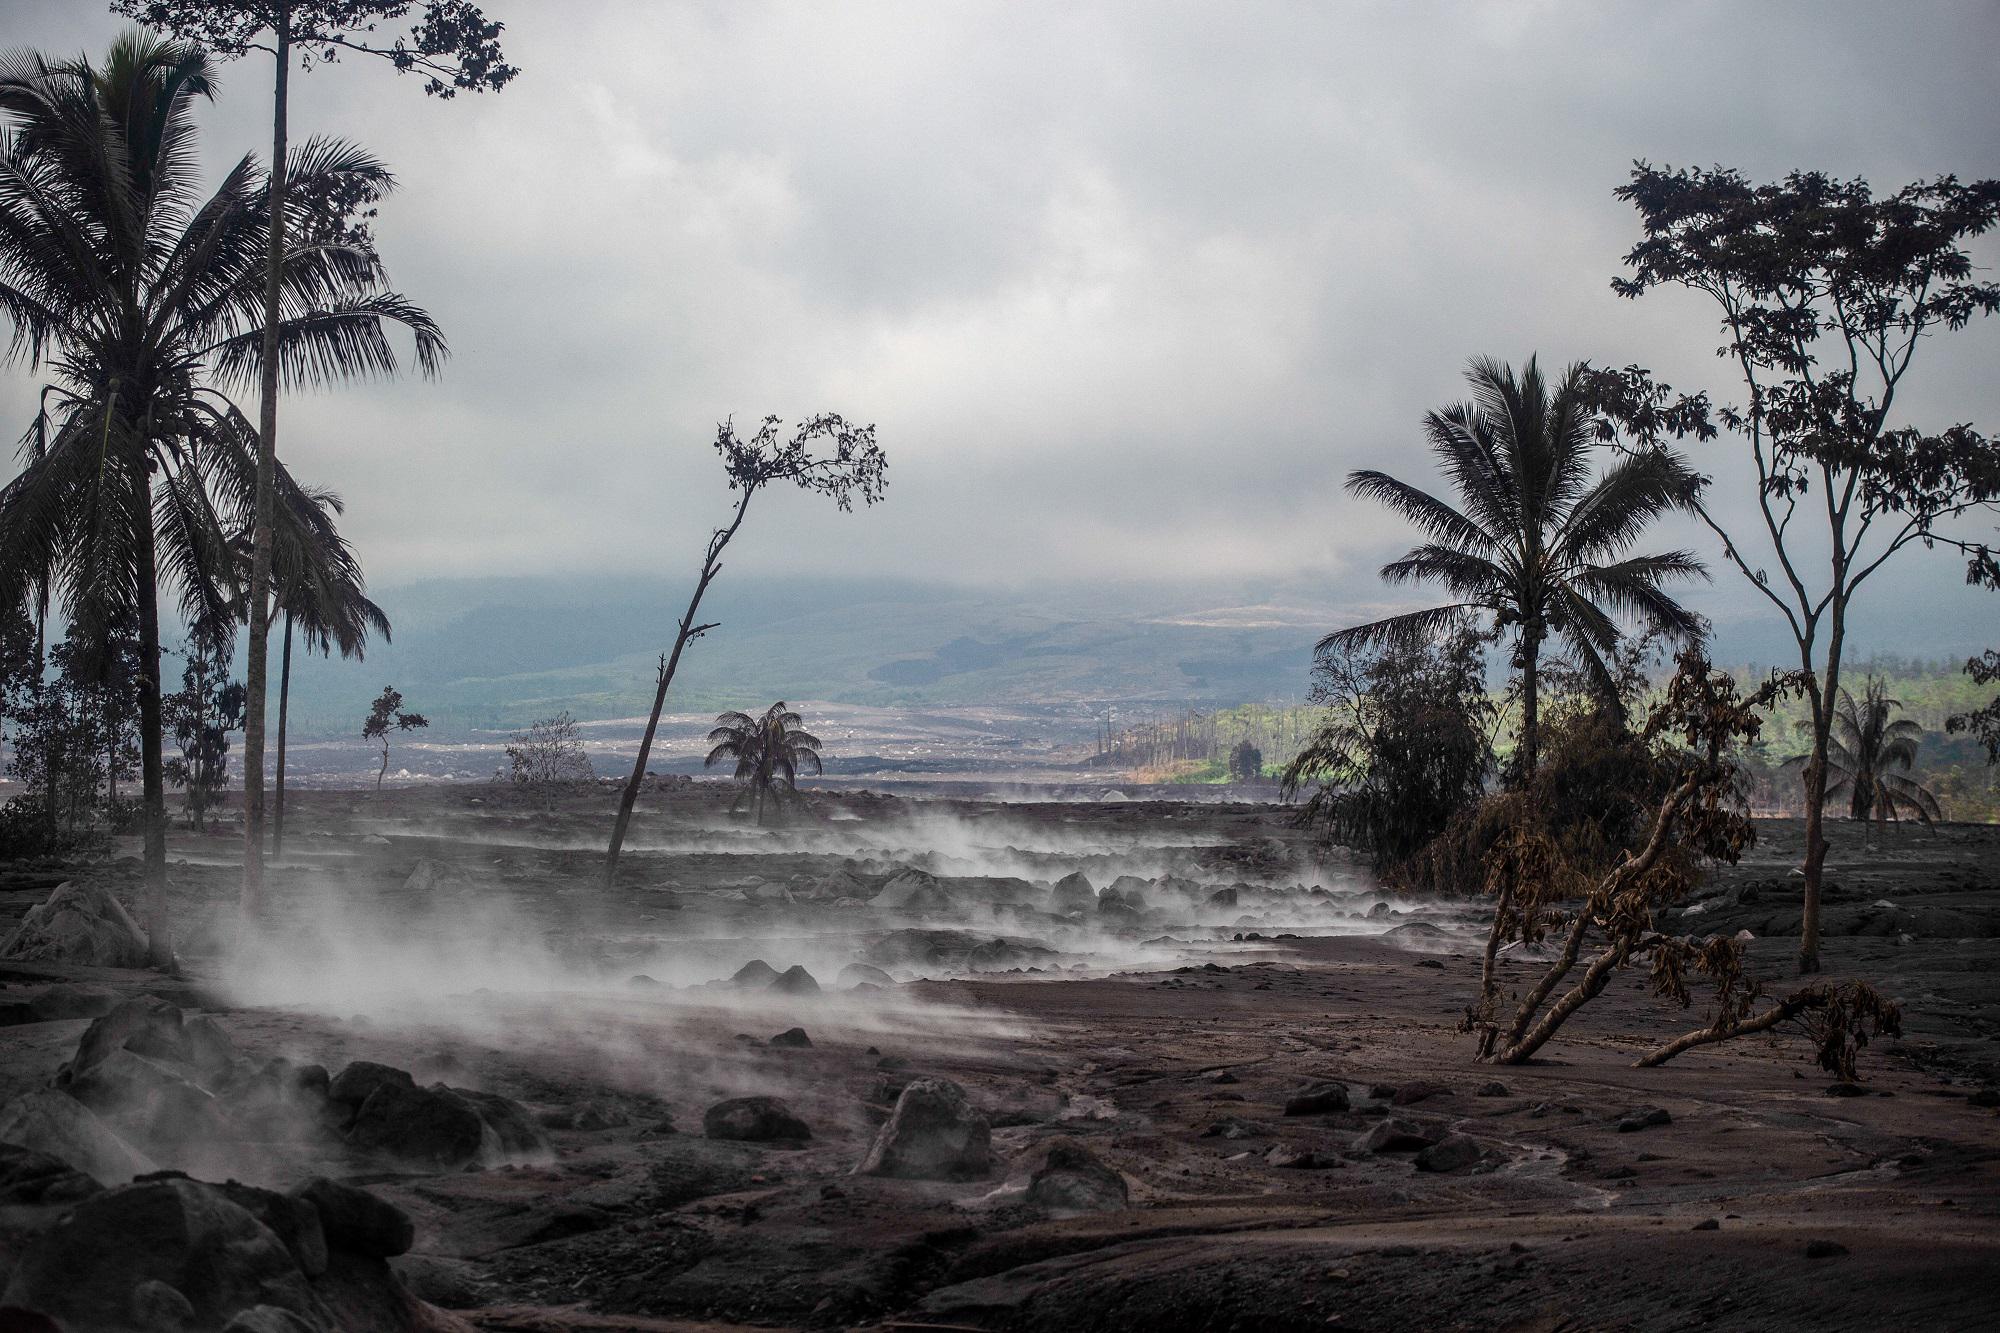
{"type": "Point", "coordinates": [1606, 919]}
{"type": "Point", "coordinates": [826, 455]}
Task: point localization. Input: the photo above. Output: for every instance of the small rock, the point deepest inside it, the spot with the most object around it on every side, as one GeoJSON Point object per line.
{"type": "Point", "coordinates": [1317, 1099]}
{"type": "Point", "coordinates": [1396, 1136]}
{"type": "Point", "coordinates": [934, 1133]}
{"type": "Point", "coordinates": [1431, 962]}
{"type": "Point", "coordinates": [792, 1038]}
{"type": "Point", "coordinates": [1984, 1097]}
{"type": "Point", "coordinates": [1232, 1129]}
{"type": "Point", "coordinates": [753, 1120]}
{"type": "Point", "coordinates": [1409, 1094]}
{"type": "Point", "coordinates": [795, 980]}
{"type": "Point", "coordinates": [1493, 1089]}
{"type": "Point", "coordinates": [1643, 1117]}
{"type": "Point", "coordinates": [1706, 1224]}
{"type": "Point", "coordinates": [1067, 1179]}
{"type": "Point", "coordinates": [1451, 1153]}
{"type": "Point", "coordinates": [1824, 1249]}
{"type": "Point", "coordinates": [1846, 1090]}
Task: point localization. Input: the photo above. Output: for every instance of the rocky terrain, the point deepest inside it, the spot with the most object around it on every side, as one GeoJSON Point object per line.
{"type": "Point", "coordinates": [953, 1065]}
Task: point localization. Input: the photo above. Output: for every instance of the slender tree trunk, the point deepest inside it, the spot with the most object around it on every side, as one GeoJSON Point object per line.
{"type": "Point", "coordinates": [255, 668]}
{"type": "Point", "coordinates": [284, 705]}
{"type": "Point", "coordinates": [688, 633]}
{"type": "Point", "coordinates": [381, 772]}
{"type": "Point", "coordinates": [152, 768]}
{"type": "Point", "coordinates": [1815, 781]}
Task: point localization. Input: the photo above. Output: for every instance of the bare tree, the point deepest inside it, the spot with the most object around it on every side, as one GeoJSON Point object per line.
{"type": "Point", "coordinates": [1826, 293]}
{"type": "Point", "coordinates": [826, 455]}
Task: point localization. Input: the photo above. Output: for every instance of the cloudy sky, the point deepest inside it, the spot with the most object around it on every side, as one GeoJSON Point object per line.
{"type": "Point", "coordinates": [1128, 288]}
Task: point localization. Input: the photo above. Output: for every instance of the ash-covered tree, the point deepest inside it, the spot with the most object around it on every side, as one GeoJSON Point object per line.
{"type": "Point", "coordinates": [825, 455]}
{"type": "Point", "coordinates": [201, 715]}
{"type": "Point", "coordinates": [453, 47]}
{"type": "Point", "coordinates": [769, 751]}
{"type": "Point", "coordinates": [1539, 545]}
{"type": "Point", "coordinates": [1826, 293]}
{"type": "Point", "coordinates": [1603, 912]}
{"type": "Point", "coordinates": [1246, 763]}
{"type": "Point", "coordinates": [385, 718]}
{"type": "Point", "coordinates": [1407, 743]}
{"type": "Point", "coordinates": [549, 753]}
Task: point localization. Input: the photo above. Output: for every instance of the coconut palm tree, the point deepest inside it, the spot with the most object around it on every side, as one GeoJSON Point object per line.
{"type": "Point", "coordinates": [319, 585]}
{"type": "Point", "coordinates": [768, 750]}
{"type": "Point", "coordinates": [1537, 543]}
{"type": "Point", "coordinates": [141, 300]}
{"type": "Point", "coordinates": [1868, 741]}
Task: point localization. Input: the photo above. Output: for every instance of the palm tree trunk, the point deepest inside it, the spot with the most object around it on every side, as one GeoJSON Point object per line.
{"type": "Point", "coordinates": [284, 704]}
{"type": "Point", "coordinates": [152, 768]}
{"type": "Point", "coordinates": [261, 540]}
{"type": "Point", "coordinates": [1531, 654]}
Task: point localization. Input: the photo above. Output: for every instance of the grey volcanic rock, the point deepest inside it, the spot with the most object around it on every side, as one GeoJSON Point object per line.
{"type": "Point", "coordinates": [357, 1221]}
{"type": "Point", "coordinates": [1065, 1178]}
{"type": "Point", "coordinates": [1397, 1136]}
{"type": "Point", "coordinates": [861, 974]}
{"type": "Point", "coordinates": [30, 1177]}
{"type": "Point", "coordinates": [1072, 894]}
{"type": "Point", "coordinates": [753, 975]}
{"type": "Point", "coordinates": [432, 1126]}
{"type": "Point", "coordinates": [78, 923]}
{"type": "Point", "coordinates": [104, 1265]}
{"type": "Point", "coordinates": [792, 1038]}
{"type": "Point", "coordinates": [1317, 1099]}
{"type": "Point", "coordinates": [934, 1133]}
{"type": "Point", "coordinates": [795, 980]}
{"type": "Point", "coordinates": [354, 1084]}
{"type": "Point", "coordinates": [61, 1126]}
{"type": "Point", "coordinates": [912, 891]}
{"type": "Point", "coordinates": [1454, 1152]}
{"type": "Point", "coordinates": [753, 1120]}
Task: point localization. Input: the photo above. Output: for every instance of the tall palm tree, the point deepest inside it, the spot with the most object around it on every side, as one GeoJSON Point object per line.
{"type": "Point", "coordinates": [1868, 741]}
{"type": "Point", "coordinates": [768, 750]}
{"type": "Point", "coordinates": [141, 299]}
{"type": "Point", "coordinates": [319, 585]}
{"type": "Point", "coordinates": [1536, 544]}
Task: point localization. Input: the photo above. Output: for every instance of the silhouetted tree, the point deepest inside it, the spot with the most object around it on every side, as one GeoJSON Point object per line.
{"type": "Point", "coordinates": [1246, 763]}
{"type": "Point", "coordinates": [140, 297]}
{"type": "Point", "coordinates": [207, 707]}
{"type": "Point", "coordinates": [386, 715]}
{"type": "Point", "coordinates": [852, 465]}
{"type": "Point", "coordinates": [1536, 545]}
{"type": "Point", "coordinates": [1826, 292]}
{"type": "Point", "coordinates": [1869, 741]}
{"type": "Point", "coordinates": [769, 751]}
{"type": "Point", "coordinates": [454, 46]}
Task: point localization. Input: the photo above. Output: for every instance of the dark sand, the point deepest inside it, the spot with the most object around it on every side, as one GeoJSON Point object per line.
{"type": "Point", "coordinates": [1565, 1222]}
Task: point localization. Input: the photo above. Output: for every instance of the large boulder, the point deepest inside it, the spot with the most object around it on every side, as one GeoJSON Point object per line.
{"type": "Point", "coordinates": [132, 1258]}
{"type": "Point", "coordinates": [1065, 1179]}
{"type": "Point", "coordinates": [753, 1120]}
{"type": "Point", "coordinates": [914, 893]}
{"type": "Point", "coordinates": [61, 1126]}
{"type": "Point", "coordinates": [356, 1221]}
{"type": "Point", "coordinates": [1072, 894]}
{"type": "Point", "coordinates": [149, 1026]}
{"type": "Point", "coordinates": [861, 974]}
{"type": "Point", "coordinates": [934, 1133]}
{"type": "Point", "coordinates": [753, 975]}
{"type": "Point", "coordinates": [30, 1177]}
{"type": "Point", "coordinates": [430, 1126]}
{"type": "Point", "coordinates": [151, 1102]}
{"type": "Point", "coordinates": [795, 980]}
{"type": "Point", "coordinates": [79, 923]}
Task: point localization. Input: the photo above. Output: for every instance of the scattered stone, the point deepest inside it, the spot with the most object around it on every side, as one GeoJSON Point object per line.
{"type": "Point", "coordinates": [795, 980]}
{"type": "Point", "coordinates": [1295, 1159]}
{"type": "Point", "coordinates": [912, 891]}
{"type": "Point", "coordinates": [934, 1133]}
{"type": "Point", "coordinates": [63, 1127]}
{"type": "Point", "coordinates": [1435, 963]}
{"type": "Point", "coordinates": [1223, 1076]}
{"type": "Point", "coordinates": [793, 1038]}
{"type": "Point", "coordinates": [1984, 1097]}
{"type": "Point", "coordinates": [1396, 1136]}
{"type": "Point", "coordinates": [1454, 1152]}
{"type": "Point", "coordinates": [641, 981]}
{"type": "Point", "coordinates": [1409, 1094]}
{"type": "Point", "coordinates": [1643, 1117]}
{"type": "Point", "coordinates": [1232, 1128]}
{"type": "Point", "coordinates": [1846, 1090]}
{"type": "Point", "coordinates": [1317, 1099]}
{"type": "Point", "coordinates": [1824, 1249]}
{"type": "Point", "coordinates": [753, 975]}
{"type": "Point", "coordinates": [753, 1120]}
{"type": "Point", "coordinates": [1072, 893]}
{"type": "Point", "coordinates": [861, 974]}
{"type": "Point", "coordinates": [356, 1221]}
{"type": "Point", "coordinates": [1706, 1224]}
{"type": "Point", "coordinates": [1065, 1178]}
{"type": "Point", "coordinates": [78, 923]}
{"type": "Point", "coordinates": [1494, 1088]}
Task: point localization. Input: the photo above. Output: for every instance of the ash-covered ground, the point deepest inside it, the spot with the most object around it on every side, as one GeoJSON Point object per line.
{"type": "Point", "coordinates": [966, 1064]}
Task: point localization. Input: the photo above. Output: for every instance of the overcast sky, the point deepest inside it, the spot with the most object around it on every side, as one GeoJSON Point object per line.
{"type": "Point", "coordinates": [1127, 288]}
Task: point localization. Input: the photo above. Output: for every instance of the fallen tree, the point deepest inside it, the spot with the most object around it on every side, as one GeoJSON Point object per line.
{"type": "Point", "coordinates": [1606, 919]}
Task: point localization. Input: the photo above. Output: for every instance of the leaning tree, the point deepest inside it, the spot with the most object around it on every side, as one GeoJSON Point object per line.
{"type": "Point", "coordinates": [1826, 292]}
{"type": "Point", "coordinates": [453, 45]}
{"type": "Point", "coordinates": [140, 297]}
{"type": "Point", "coordinates": [826, 455]}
